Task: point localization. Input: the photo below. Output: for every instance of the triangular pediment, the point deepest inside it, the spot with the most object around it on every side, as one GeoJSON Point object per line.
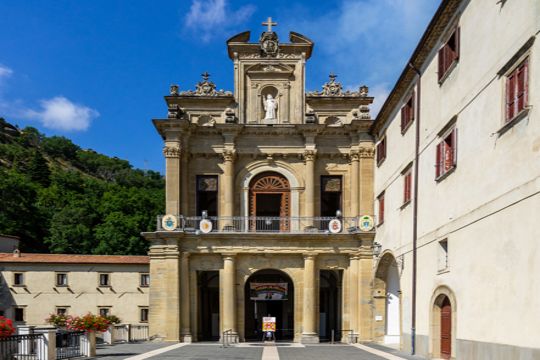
{"type": "Point", "coordinates": [270, 68]}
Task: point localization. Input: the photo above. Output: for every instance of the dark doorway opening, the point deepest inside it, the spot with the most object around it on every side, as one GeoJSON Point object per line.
{"type": "Point", "coordinates": [330, 305]}
{"type": "Point", "coordinates": [208, 285]}
{"type": "Point", "coordinates": [282, 310]}
{"type": "Point", "coordinates": [269, 206]}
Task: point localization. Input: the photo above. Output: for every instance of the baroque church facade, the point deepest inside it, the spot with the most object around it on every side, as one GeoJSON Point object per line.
{"type": "Point", "coordinates": [269, 198]}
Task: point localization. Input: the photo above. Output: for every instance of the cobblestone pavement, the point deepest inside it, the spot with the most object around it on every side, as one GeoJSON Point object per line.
{"type": "Point", "coordinates": [256, 351]}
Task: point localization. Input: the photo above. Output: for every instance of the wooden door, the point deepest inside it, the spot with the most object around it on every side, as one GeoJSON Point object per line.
{"type": "Point", "coordinates": [446, 329]}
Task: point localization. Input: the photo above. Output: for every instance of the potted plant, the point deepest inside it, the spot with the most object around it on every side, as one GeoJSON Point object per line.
{"type": "Point", "coordinates": [6, 327]}
{"type": "Point", "coordinates": [88, 323]}
{"type": "Point", "coordinates": [57, 320]}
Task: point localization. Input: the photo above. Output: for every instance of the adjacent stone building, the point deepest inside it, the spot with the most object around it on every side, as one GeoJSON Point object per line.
{"type": "Point", "coordinates": [33, 286]}
{"type": "Point", "coordinates": [457, 184]}
{"type": "Point", "coordinates": [264, 189]}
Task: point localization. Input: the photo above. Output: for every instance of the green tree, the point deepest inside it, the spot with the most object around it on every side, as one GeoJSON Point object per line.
{"type": "Point", "coordinates": [60, 147]}
{"type": "Point", "coordinates": [38, 169]}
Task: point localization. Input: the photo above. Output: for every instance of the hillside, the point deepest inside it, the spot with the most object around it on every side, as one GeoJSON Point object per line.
{"type": "Point", "coordinates": [60, 198]}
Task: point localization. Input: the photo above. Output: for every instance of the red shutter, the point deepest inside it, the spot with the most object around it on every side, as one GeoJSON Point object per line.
{"type": "Point", "coordinates": [448, 155]}
{"type": "Point", "coordinates": [510, 90]}
{"type": "Point", "coordinates": [384, 148]}
{"type": "Point", "coordinates": [526, 83]}
{"type": "Point", "coordinates": [454, 147]}
{"type": "Point", "coordinates": [403, 117]}
{"type": "Point", "coordinates": [381, 208]}
{"type": "Point", "coordinates": [458, 39]}
{"type": "Point", "coordinates": [441, 63]}
{"type": "Point", "coordinates": [412, 117]}
{"type": "Point", "coordinates": [438, 162]}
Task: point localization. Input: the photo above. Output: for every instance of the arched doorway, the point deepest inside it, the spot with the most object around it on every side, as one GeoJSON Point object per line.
{"type": "Point", "coordinates": [261, 301]}
{"type": "Point", "coordinates": [269, 202]}
{"type": "Point", "coordinates": [387, 300]}
{"type": "Point", "coordinates": [443, 323]}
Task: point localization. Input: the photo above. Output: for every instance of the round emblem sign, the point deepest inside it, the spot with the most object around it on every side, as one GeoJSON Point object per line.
{"type": "Point", "coordinates": [365, 223]}
{"type": "Point", "coordinates": [334, 226]}
{"type": "Point", "coordinates": [169, 222]}
{"type": "Point", "coordinates": [205, 226]}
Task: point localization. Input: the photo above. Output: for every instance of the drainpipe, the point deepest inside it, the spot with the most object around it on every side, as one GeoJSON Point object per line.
{"type": "Point", "coordinates": [415, 207]}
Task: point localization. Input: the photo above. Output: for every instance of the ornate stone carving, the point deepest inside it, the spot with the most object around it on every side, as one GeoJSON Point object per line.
{"type": "Point", "coordinates": [366, 153]}
{"type": "Point", "coordinates": [172, 151]}
{"type": "Point", "coordinates": [271, 68]}
{"type": "Point", "coordinates": [175, 111]}
{"type": "Point", "coordinates": [228, 155]}
{"type": "Point", "coordinates": [173, 90]}
{"type": "Point", "coordinates": [309, 155]}
{"type": "Point", "coordinates": [269, 40]}
{"type": "Point", "coordinates": [311, 117]}
{"type": "Point", "coordinates": [334, 88]}
{"type": "Point", "coordinates": [354, 155]}
{"type": "Point", "coordinates": [205, 88]}
{"type": "Point", "coordinates": [230, 117]}
{"type": "Point", "coordinates": [363, 91]}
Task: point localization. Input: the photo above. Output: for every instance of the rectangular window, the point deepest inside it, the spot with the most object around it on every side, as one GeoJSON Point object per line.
{"type": "Point", "coordinates": [18, 279]}
{"type": "Point", "coordinates": [407, 185]}
{"type": "Point", "coordinates": [330, 195]}
{"type": "Point", "coordinates": [144, 314]}
{"type": "Point", "coordinates": [407, 114]}
{"type": "Point", "coordinates": [449, 54]}
{"type": "Point", "coordinates": [61, 280]}
{"type": "Point", "coordinates": [381, 151]}
{"type": "Point", "coordinates": [104, 280]}
{"type": "Point", "coordinates": [517, 87]}
{"type": "Point", "coordinates": [446, 156]}
{"type": "Point", "coordinates": [61, 311]}
{"type": "Point", "coordinates": [380, 200]}
{"type": "Point", "coordinates": [145, 280]}
{"type": "Point", "coordinates": [443, 255]}
{"type": "Point", "coordinates": [104, 311]}
{"type": "Point", "coordinates": [207, 194]}
{"type": "Point", "coordinates": [19, 314]}
{"type": "Point", "coordinates": [2, 313]}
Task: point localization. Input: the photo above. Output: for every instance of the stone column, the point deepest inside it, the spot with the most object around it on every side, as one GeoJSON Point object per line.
{"type": "Point", "coordinates": [228, 186]}
{"type": "Point", "coordinates": [185, 327]}
{"type": "Point", "coordinates": [229, 295]}
{"type": "Point", "coordinates": [355, 160]}
{"type": "Point", "coordinates": [309, 315]}
{"type": "Point", "coordinates": [366, 180]}
{"type": "Point", "coordinates": [353, 293]}
{"type": "Point", "coordinates": [309, 191]}
{"type": "Point", "coordinates": [172, 152]}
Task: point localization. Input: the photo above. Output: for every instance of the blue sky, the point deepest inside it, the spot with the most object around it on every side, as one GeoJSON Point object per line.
{"type": "Point", "coordinates": [96, 71]}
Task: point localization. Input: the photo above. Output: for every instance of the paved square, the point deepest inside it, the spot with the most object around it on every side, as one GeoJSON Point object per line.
{"type": "Point", "coordinates": [320, 352]}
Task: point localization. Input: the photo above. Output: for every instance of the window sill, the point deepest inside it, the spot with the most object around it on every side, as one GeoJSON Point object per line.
{"type": "Point", "coordinates": [446, 174]}
{"type": "Point", "coordinates": [405, 204]}
{"type": "Point", "coordinates": [443, 271]}
{"type": "Point", "coordinates": [448, 72]}
{"type": "Point", "coordinates": [510, 124]}
{"type": "Point", "coordinates": [19, 285]}
{"type": "Point", "coordinates": [404, 130]}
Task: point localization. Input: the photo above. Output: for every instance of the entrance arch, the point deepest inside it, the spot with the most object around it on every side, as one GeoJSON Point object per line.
{"type": "Point", "coordinates": [387, 300]}
{"type": "Point", "coordinates": [270, 197]}
{"type": "Point", "coordinates": [443, 323]}
{"type": "Point", "coordinates": [267, 305]}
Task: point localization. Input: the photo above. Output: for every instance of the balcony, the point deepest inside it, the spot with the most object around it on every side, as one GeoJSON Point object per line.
{"type": "Point", "coordinates": [258, 224]}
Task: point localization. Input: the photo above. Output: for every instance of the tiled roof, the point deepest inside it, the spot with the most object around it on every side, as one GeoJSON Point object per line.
{"type": "Point", "coordinates": [72, 258]}
{"type": "Point", "coordinates": [4, 236]}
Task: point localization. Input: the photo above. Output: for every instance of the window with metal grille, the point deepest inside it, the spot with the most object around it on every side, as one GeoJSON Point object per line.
{"type": "Point", "coordinates": [104, 280]}
{"type": "Point", "coordinates": [517, 86]}
{"type": "Point", "coordinates": [104, 311]}
{"type": "Point", "coordinates": [144, 314]}
{"type": "Point", "coordinates": [61, 280]}
{"type": "Point", "coordinates": [145, 280]}
{"type": "Point", "coordinates": [207, 194]}
{"type": "Point", "coordinates": [18, 279]}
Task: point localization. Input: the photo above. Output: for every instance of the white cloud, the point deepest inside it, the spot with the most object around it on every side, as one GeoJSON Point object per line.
{"type": "Point", "coordinates": [211, 17]}
{"type": "Point", "coordinates": [5, 72]}
{"type": "Point", "coordinates": [60, 113]}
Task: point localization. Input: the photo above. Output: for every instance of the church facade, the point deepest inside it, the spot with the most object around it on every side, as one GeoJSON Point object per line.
{"type": "Point", "coordinates": [269, 203]}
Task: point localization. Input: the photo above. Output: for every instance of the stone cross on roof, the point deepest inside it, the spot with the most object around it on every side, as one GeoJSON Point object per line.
{"type": "Point", "coordinates": [269, 24]}
{"type": "Point", "coordinates": [205, 75]}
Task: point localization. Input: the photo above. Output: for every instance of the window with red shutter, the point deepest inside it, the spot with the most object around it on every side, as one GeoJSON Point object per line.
{"type": "Point", "coordinates": [407, 185]}
{"type": "Point", "coordinates": [517, 90]}
{"type": "Point", "coordinates": [446, 155]}
{"type": "Point", "coordinates": [381, 151]}
{"type": "Point", "coordinates": [449, 54]}
{"type": "Point", "coordinates": [407, 114]}
{"type": "Point", "coordinates": [380, 199]}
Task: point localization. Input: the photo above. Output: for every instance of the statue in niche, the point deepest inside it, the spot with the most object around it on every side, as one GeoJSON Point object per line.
{"type": "Point", "coordinates": [270, 107]}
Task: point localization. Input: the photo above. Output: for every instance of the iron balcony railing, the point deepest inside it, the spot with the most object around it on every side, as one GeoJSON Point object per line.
{"type": "Point", "coordinates": [262, 224]}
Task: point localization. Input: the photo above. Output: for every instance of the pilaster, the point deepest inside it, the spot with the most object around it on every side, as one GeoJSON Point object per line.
{"type": "Point", "coordinates": [172, 152]}
{"type": "Point", "coordinates": [185, 331]}
{"type": "Point", "coordinates": [309, 314]}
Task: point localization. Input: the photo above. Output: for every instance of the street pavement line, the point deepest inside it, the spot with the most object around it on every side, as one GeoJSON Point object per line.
{"type": "Point", "coordinates": [270, 352]}
{"type": "Point", "coordinates": [146, 355]}
{"type": "Point", "coordinates": [378, 352]}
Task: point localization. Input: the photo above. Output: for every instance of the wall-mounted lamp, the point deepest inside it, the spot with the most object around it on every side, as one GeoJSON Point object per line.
{"type": "Point", "coordinates": [204, 214]}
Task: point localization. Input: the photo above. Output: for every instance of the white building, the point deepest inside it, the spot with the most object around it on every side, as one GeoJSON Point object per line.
{"type": "Point", "coordinates": [457, 184]}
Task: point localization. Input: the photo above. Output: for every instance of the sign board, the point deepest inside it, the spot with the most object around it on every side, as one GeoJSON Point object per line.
{"type": "Point", "coordinates": [268, 291]}
{"type": "Point", "coordinates": [365, 223]}
{"type": "Point", "coordinates": [334, 226]}
{"type": "Point", "coordinates": [205, 226]}
{"type": "Point", "coordinates": [269, 324]}
{"type": "Point", "coordinates": [169, 222]}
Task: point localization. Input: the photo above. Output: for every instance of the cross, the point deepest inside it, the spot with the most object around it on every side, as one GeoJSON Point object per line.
{"type": "Point", "coordinates": [332, 76]}
{"type": "Point", "coordinates": [269, 23]}
{"type": "Point", "coordinates": [205, 75]}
